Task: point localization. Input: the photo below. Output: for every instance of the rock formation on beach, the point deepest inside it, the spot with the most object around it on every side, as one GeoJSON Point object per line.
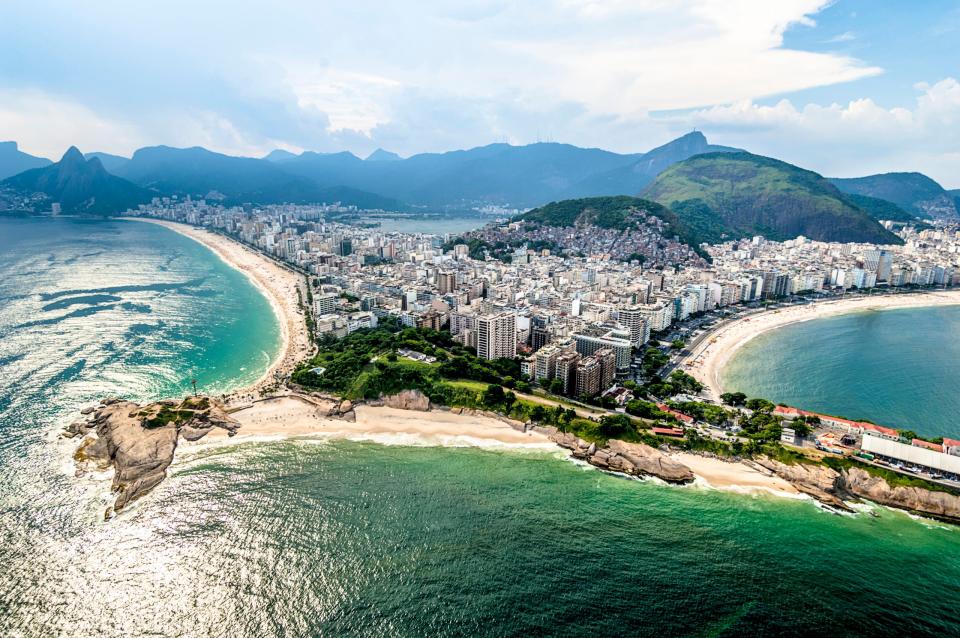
{"type": "Point", "coordinates": [833, 487]}
{"type": "Point", "coordinates": [634, 459]}
{"type": "Point", "coordinates": [139, 441]}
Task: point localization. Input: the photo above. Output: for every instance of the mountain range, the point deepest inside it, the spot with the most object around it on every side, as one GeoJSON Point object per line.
{"type": "Point", "coordinates": [718, 191]}
{"type": "Point", "coordinates": [79, 185]}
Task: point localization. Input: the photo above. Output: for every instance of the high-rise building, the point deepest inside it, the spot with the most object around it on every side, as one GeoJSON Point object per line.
{"type": "Point", "coordinates": [608, 367]}
{"type": "Point", "coordinates": [878, 261]}
{"type": "Point", "coordinates": [539, 337]}
{"type": "Point", "coordinates": [324, 304]}
{"type": "Point", "coordinates": [566, 367]}
{"type": "Point", "coordinates": [497, 336]}
{"type": "Point", "coordinates": [634, 319]}
{"type": "Point", "coordinates": [589, 376]}
{"type": "Point", "coordinates": [592, 340]}
{"type": "Point", "coordinates": [446, 282]}
{"type": "Point", "coordinates": [346, 246]}
{"type": "Point", "coordinates": [545, 362]}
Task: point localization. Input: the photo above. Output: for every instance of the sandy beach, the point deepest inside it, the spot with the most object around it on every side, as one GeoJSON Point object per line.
{"type": "Point", "coordinates": [734, 477]}
{"type": "Point", "coordinates": [707, 361]}
{"type": "Point", "coordinates": [292, 416]}
{"type": "Point", "coordinates": [278, 284]}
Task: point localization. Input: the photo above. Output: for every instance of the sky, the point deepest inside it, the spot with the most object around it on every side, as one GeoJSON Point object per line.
{"type": "Point", "coordinates": [844, 87]}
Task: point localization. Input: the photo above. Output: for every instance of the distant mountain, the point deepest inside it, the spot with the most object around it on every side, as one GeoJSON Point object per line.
{"type": "Point", "coordinates": [199, 172]}
{"type": "Point", "coordinates": [955, 194]}
{"type": "Point", "coordinates": [79, 186]}
{"type": "Point", "coordinates": [880, 209]}
{"type": "Point", "coordinates": [13, 160]}
{"type": "Point", "coordinates": [635, 176]}
{"type": "Point", "coordinates": [517, 176]}
{"type": "Point", "coordinates": [279, 155]}
{"type": "Point", "coordinates": [913, 192]}
{"type": "Point", "coordinates": [381, 155]}
{"type": "Point", "coordinates": [112, 163]}
{"type": "Point", "coordinates": [731, 195]}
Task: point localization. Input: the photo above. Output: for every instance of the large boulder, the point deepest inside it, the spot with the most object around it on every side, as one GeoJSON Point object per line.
{"type": "Point", "coordinates": [651, 461]}
{"type": "Point", "coordinates": [408, 400]}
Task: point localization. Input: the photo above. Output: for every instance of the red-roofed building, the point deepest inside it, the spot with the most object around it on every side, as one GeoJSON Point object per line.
{"type": "Point", "coordinates": [951, 446]}
{"type": "Point", "coordinates": [686, 418]}
{"type": "Point", "coordinates": [926, 444]}
{"type": "Point", "coordinates": [667, 431]}
{"type": "Point", "coordinates": [881, 431]}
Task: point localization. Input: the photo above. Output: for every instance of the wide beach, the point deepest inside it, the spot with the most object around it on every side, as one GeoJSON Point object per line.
{"type": "Point", "coordinates": [716, 349]}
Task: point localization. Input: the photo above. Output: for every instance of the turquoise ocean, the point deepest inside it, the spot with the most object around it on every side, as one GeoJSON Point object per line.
{"type": "Point", "coordinates": [898, 367]}
{"type": "Point", "coordinates": [319, 538]}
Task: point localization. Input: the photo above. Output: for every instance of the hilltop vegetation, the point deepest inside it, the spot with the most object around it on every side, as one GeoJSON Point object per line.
{"type": "Point", "coordinates": [617, 213]}
{"type": "Point", "coordinates": [723, 196]}
{"type": "Point", "coordinates": [881, 209]}
{"type": "Point", "coordinates": [913, 192]}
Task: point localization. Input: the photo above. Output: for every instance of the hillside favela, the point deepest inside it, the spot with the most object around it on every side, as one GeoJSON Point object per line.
{"type": "Point", "coordinates": [478, 319]}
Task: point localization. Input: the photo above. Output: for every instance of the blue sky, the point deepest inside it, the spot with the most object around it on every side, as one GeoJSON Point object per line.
{"type": "Point", "coordinates": [845, 88]}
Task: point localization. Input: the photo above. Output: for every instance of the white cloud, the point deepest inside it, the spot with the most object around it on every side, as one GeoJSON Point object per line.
{"type": "Point", "coordinates": [47, 125]}
{"type": "Point", "coordinates": [854, 139]}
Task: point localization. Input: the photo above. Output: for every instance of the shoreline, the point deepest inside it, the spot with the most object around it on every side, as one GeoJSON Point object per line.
{"type": "Point", "coordinates": [291, 416]}
{"type": "Point", "coordinates": [707, 362]}
{"type": "Point", "coordinates": [276, 283]}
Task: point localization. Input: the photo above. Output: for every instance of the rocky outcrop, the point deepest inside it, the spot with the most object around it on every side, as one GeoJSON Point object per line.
{"type": "Point", "coordinates": [814, 480]}
{"type": "Point", "coordinates": [833, 487]}
{"type": "Point", "coordinates": [941, 505]}
{"type": "Point", "coordinates": [139, 441]}
{"type": "Point", "coordinates": [634, 459]}
{"type": "Point", "coordinates": [408, 400]}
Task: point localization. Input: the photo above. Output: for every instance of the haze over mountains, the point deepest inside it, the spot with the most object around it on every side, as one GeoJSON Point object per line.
{"type": "Point", "coordinates": [79, 185]}
{"type": "Point", "coordinates": [719, 191]}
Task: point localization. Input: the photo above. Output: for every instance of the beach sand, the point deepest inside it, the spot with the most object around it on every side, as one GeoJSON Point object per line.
{"type": "Point", "coordinates": [736, 477]}
{"type": "Point", "coordinates": [291, 416]}
{"type": "Point", "coordinates": [278, 284]}
{"type": "Point", "coordinates": [707, 361]}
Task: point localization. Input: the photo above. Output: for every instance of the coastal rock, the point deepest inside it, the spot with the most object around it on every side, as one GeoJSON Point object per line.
{"type": "Point", "coordinates": [408, 400]}
{"type": "Point", "coordinates": [139, 441]}
{"type": "Point", "coordinates": [346, 406]}
{"type": "Point", "coordinates": [648, 460]}
{"type": "Point", "coordinates": [817, 481]}
{"type": "Point", "coordinates": [634, 459]}
{"type": "Point", "coordinates": [942, 505]}
{"type": "Point", "coordinates": [87, 410]}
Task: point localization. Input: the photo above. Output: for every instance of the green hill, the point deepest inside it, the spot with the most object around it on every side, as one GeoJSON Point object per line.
{"type": "Point", "coordinates": [722, 196]}
{"type": "Point", "coordinates": [881, 209]}
{"type": "Point", "coordinates": [617, 212]}
{"type": "Point", "coordinates": [913, 192]}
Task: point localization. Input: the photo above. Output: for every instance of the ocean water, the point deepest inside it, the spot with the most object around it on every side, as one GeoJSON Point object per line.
{"type": "Point", "coordinates": [320, 538]}
{"type": "Point", "coordinates": [898, 367]}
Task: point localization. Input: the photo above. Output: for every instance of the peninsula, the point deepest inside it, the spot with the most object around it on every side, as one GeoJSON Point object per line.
{"type": "Point", "coordinates": [338, 375]}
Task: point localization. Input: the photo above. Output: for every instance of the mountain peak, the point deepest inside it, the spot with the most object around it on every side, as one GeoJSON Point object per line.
{"type": "Point", "coordinates": [72, 156]}
{"type": "Point", "coordinates": [381, 155]}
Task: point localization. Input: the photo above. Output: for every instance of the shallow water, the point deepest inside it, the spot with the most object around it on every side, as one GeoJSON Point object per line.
{"type": "Point", "coordinates": [898, 367]}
